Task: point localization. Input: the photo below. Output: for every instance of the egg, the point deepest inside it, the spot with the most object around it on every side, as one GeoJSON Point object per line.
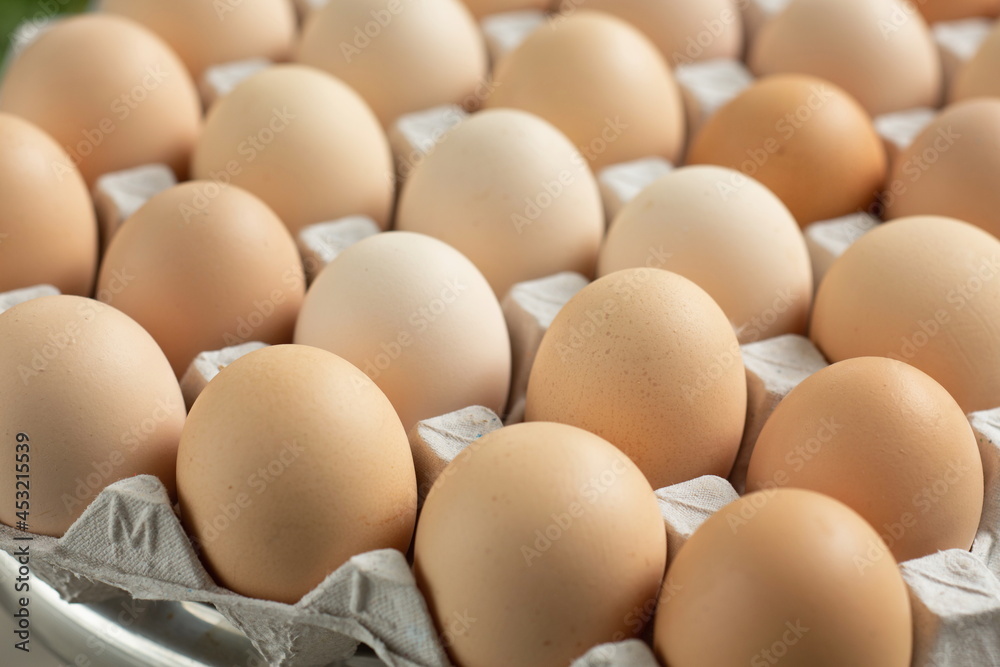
{"type": "Point", "coordinates": [292, 462]}
{"type": "Point", "coordinates": [545, 535]}
{"type": "Point", "coordinates": [481, 8]}
{"type": "Point", "coordinates": [788, 576]}
{"type": "Point", "coordinates": [685, 31]}
{"type": "Point", "coordinates": [951, 168]}
{"type": "Point", "coordinates": [647, 360]}
{"type": "Point", "coordinates": [875, 50]}
{"type": "Point", "coordinates": [203, 266]}
{"type": "Point", "coordinates": [952, 10]}
{"type": "Point", "coordinates": [511, 193]}
{"type": "Point", "coordinates": [805, 139]}
{"type": "Point", "coordinates": [109, 91]}
{"type": "Point", "coordinates": [401, 57]}
{"type": "Point", "coordinates": [924, 291]}
{"type": "Point", "coordinates": [739, 244]}
{"type": "Point", "coordinates": [888, 441]}
{"type": "Point", "coordinates": [601, 82]}
{"type": "Point", "coordinates": [89, 399]}
{"type": "Point", "coordinates": [418, 318]}
{"type": "Point", "coordinates": [304, 142]}
{"type": "Point", "coordinates": [213, 33]}
{"type": "Point", "coordinates": [977, 76]}
{"type": "Point", "coordinates": [48, 232]}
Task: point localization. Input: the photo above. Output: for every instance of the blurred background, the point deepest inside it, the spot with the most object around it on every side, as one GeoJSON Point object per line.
{"type": "Point", "coordinates": [12, 12]}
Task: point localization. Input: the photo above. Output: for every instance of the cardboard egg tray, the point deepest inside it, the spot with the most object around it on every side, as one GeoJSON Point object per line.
{"type": "Point", "coordinates": [130, 540]}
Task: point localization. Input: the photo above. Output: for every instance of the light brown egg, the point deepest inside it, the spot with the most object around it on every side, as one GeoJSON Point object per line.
{"type": "Point", "coordinates": [805, 139]}
{"type": "Point", "coordinates": [302, 141]}
{"type": "Point", "coordinates": [601, 82]}
{"type": "Point", "coordinates": [978, 76]}
{"type": "Point", "coordinates": [952, 10]}
{"type": "Point", "coordinates": [108, 90]}
{"type": "Point", "coordinates": [481, 8]}
{"type": "Point", "coordinates": [418, 318]}
{"type": "Point", "coordinates": [888, 441]}
{"type": "Point", "coordinates": [790, 577]}
{"type": "Point", "coordinates": [876, 50]}
{"type": "Point", "coordinates": [922, 290]}
{"type": "Point", "coordinates": [212, 33]}
{"type": "Point", "coordinates": [89, 399]}
{"type": "Point", "coordinates": [48, 233]}
{"type": "Point", "coordinates": [401, 57]}
{"type": "Point", "coordinates": [510, 192]}
{"type": "Point", "coordinates": [292, 462]}
{"type": "Point", "coordinates": [202, 267]}
{"type": "Point", "coordinates": [951, 168]}
{"type": "Point", "coordinates": [727, 233]}
{"type": "Point", "coordinates": [685, 31]}
{"type": "Point", "coordinates": [645, 359]}
{"type": "Point", "coordinates": [548, 538]}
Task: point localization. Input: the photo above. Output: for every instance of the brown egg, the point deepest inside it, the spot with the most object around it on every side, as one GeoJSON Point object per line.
{"type": "Point", "coordinates": [787, 576]}
{"type": "Point", "coordinates": [109, 91]}
{"type": "Point", "coordinates": [211, 33]}
{"type": "Point", "coordinates": [48, 233]}
{"type": "Point", "coordinates": [951, 10]}
{"type": "Point", "coordinates": [418, 318]}
{"type": "Point", "coordinates": [88, 399]}
{"type": "Point", "coordinates": [601, 82]}
{"type": "Point", "coordinates": [805, 139]}
{"type": "Point", "coordinates": [685, 31]}
{"type": "Point", "coordinates": [201, 267]}
{"type": "Point", "coordinates": [292, 462]}
{"type": "Point", "coordinates": [548, 538]}
{"type": "Point", "coordinates": [510, 192]}
{"type": "Point", "coordinates": [875, 50]}
{"type": "Point", "coordinates": [977, 77]}
{"type": "Point", "coordinates": [302, 141]}
{"type": "Point", "coordinates": [401, 57]}
{"type": "Point", "coordinates": [481, 8]}
{"type": "Point", "coordinates": [922, 290]}
{"type": "Point", "coordinates": [951, 168]}
{"type": "Point", "coordinates": [889, 442]}
{"type": "Point", "coordinates": [645, 358]}
{"type": "Point", "coordinates": [738, 243]}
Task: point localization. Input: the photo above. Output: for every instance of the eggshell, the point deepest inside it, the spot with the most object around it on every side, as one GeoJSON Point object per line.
{"type": "Point", "coordinates": [684, 31]}
{"type": "Point", "coordinates": [291, 462]}
{"type": "Point", "coordinates": [302, 141]}
{"type": "Point", "coordinates": [401, 57]}
{"type": "Point", "coordinates": [48, 231]}
{"type": "Point", "coordinates": [548, 537]}
{"type": "Point", "coordinates": [202, 267]}
{"type": "Point", "coordinates": [922, 290]}
{"type": "Point", "coordinates": [951, 10]}
{"type": "Point", "coordinates": [109, 91]}
{"type": "Point", "coordinates": [875, 50]}
{"type": "Point", "coordinates": [741, 245]}
{"type": "Point", "coordinates": [510, 192]}
{"type": "Point", "coordinates": [952, 167]}
{"type": "Point", "coordinates": [211, 33]}
{"type": "Point", "coordinates": [804, 138]}
{"type": "Point", "coordinates": [978, 76]}
{"type": "Point", "coordinates": [601, 82]}
{"type": "Point", "coordinates": [481, 8]}
{"type": "Point", "coordinates": [644, 358]}
{"type": "Point", "coordinates": [418, 318]}
{"type": "Point", "coordinates": [786, 576]}
{"type": "Point", "coordinates": [95, 401]}
{"type": "Point", "coordinates": [888, 441]}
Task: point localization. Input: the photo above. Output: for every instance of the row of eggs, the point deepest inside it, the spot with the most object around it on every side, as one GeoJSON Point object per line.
{"type": "Point", "coordinates": [643, 358]}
